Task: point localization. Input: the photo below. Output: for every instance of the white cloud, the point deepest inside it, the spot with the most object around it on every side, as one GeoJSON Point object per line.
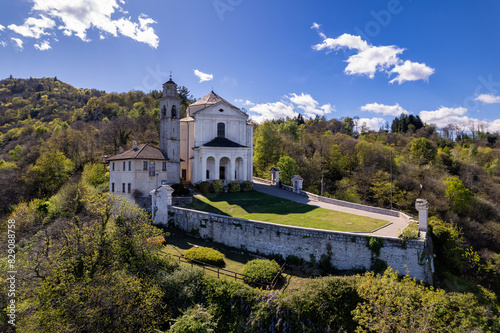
{"type": "Point", "coordinates": [488, 98]}
{"type": "Point", "coordinates": [43, 46]}
{"type": "Point", "coordinates": [373, 124]}
{"type": "Point", "coordinates": [371, 59]}
{"type": "Point", "coordinates": [315, 26]}
{"type": "Point", "coordinates": [270, 111]}
{"type": "Point", "coordinates": [244, 102]}
{"type": "Point", "coordinates": [386, 110]}
{"type": "Point", "coordinates": [34, 27]}
{"type": "Point", "coordinates": [2, 28]}
{"type": "Point", "coordinates": [309, 105]}
{"type": "Point", "coordinates": [18, 42]}
{"type": "Point", "coordinates": [444, 116]}
{"type": "Point", "coordinates": [345, 40]}
{"type": "Point", "coordinates": [411, 71]}
{"type": "Point", "coordinates": [203, 76]}
{"type": "Point", "coordinates": [76, 17]}
{"type": "Point", "coordinates": [290, 106]}
{"type": "Point", "coordinates": [3, 43]}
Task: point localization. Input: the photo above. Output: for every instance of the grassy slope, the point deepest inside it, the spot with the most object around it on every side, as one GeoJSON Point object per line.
{"type": "Point", "coordinates": [263, 207]}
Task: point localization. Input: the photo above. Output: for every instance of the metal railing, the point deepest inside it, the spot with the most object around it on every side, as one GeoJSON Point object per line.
{"type": "Point", "coordinates": [225, 272]}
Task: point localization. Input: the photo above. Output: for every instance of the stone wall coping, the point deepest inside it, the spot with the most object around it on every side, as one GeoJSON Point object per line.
{"type": "Point", "coordinates": [296, 228]}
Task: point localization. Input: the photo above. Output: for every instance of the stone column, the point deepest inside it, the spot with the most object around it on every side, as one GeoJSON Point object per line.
{"type": "Point", "coordinates": [161, 199]}
{"type": "Point", "coordinates": [422, 206]}
{"type": "Point", "coordinates": [232, 164]}
{"type": "Point", "coordinates": [217, 166]}
{"type": "Point", "coordinates": [203, 168]}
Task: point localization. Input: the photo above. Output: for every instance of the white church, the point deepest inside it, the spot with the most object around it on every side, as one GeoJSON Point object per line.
{"type": "Point", "coordinates": [214, 141]}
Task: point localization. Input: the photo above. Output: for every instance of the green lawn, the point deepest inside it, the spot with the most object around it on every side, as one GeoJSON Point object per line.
{"type": "Point", "coordinates": [263, 207]}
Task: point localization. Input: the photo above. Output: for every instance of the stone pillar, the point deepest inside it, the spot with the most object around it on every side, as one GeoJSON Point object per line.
{"type": "Point", "coordinates": [422, 206]}
{"type": "Point", "coordinates": [161, 199]}
{"type": "Point", "coordinates": [232, 165]}
{"type": "Point", "coordinates": [275, 176]}
{"type": "Point", "coordinates": [217, 166]}
{"type": "Point", "coordinates": [203, 168]}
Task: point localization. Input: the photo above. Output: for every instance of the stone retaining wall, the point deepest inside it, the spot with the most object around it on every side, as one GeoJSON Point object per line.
{"type": "Point", "coordinates": [349, 250]}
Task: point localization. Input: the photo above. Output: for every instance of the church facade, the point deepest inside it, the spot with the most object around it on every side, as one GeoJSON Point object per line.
{"type": "Point", "coordinates": [214, 141]}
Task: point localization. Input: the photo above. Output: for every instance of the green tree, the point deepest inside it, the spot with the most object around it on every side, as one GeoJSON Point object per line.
{"type": "Point", "coordinates": [422, 151]}
{"type": "Point", "coordinates": [461, 197]}
{"type": "Point", "coordinates": [51, 170]}
{"type": "Point", "coordinates": [267, 148]}
{"type": "Point", "coordinates": [288, 168]}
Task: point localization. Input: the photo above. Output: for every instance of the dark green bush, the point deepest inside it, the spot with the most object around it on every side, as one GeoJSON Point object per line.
{"type": "Point", "coordinates": [206, 255]}
{"type": "Point", "coordinates": [294, 260]}
{"type": "Point", "coordinates": [179, 190]}
{"type": "Point", "coordinates": [375, 244]}
{"type": "Point", "coordinates": [260, 270]}
{"type": "Point", "coordinates": [205, 187]}
{"type": "Point", "coordinates": [379, 266]}
{"type": "Point", "coordinates": [234, 186]}
{"type": "Point", "coordinates": [217, 185]}
{"type": "Point", "coordinates": [246, 186]}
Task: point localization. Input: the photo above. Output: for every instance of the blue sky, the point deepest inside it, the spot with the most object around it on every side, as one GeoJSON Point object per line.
{"type": "Point", "coordinates": [367, 59]}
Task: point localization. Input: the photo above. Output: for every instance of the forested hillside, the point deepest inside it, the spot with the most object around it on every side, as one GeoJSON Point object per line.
{"type": "Point", "coordinates": [84, 265]}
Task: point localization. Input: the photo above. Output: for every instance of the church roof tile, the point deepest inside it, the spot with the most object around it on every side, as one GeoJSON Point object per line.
{"type": "Point", "coordinates": [142, 152]}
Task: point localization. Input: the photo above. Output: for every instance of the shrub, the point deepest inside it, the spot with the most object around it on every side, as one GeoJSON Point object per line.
{"type": "Point", "coordinates": [260, 270]}
{"type": "Point", "coordinates": [218, 187]}
{"type": "Point", "coordinates": [294, 260]}
{"type": "Point", "coordinates": [205, 187]}
{"type": "Point", "coordinates": [409, 232]}
{"type": "Point", "coordinates": [206, 255]}
{"type": "Point", "coordinates": [379, 266]}
{"type": "Point", "coordinates": [234, 186]}
{"type": "Point", "coordinates": [246, 186]}
{"type": "Point", "coordinates": [179, 190]}
{"type": "Point", "coordinates": [375, 244]}
{"type": "Point", "coordinates": [195, 320]}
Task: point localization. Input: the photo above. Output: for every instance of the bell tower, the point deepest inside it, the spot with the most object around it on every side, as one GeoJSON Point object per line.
{"type": "Point", "coordinates": [170, 106]}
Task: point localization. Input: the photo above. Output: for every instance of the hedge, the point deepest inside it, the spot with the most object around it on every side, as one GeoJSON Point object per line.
{"type": "Point", "coordinates": [206, 255]}
{"type": "Point", "coordinates": [246, 186]}
{"type": "Point", "coordinates": [260, 270]}
{"type": "Point", "coordinates": [234, 186]}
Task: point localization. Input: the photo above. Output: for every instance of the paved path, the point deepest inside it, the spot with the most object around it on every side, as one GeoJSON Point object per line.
{"type": "Point", "coordinates": [390, 230]}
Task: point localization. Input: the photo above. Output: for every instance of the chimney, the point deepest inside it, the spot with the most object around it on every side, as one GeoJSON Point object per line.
{"type": "Point", "coordinates": [134, 145]}
{"type": "Point", "coordinates": [422, 206]}
{"type": "Point", "coordinates": [120, 150]}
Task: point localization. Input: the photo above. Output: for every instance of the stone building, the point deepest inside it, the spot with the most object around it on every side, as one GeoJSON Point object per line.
{"type": "Point", "coordinates": [216, 142]}
{"type": "Point", "coordinates": [135, 172]}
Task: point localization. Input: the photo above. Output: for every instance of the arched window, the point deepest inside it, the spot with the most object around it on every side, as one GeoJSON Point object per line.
{"type": "Point", "coordinates": [221, 130]}
{"type": "Point", "coordinates": [151, 169]}
{"type": "Point", "coordinates": [164, 111]}
{"type": "Point", "coordinates": [174, 112]}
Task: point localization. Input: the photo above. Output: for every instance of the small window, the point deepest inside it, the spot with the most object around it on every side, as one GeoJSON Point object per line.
{"type": "Point", "coordinates": [129, 187]}
{"type": "Point", "coordinates": [129, 165]}
{"type": "Point", "coordinates": [112, 187]}
{"type": "Point", "coordinates": [123, 187]}
{"type": "Point", "coordinates": [184, 173]}
{"type": "Point", "coordinates": [145, 165]}
{"type": "Point", "coordinates": [221, 130]}
{"type": "Point", "coordinates": [208, 174]}
{"type": "Point", "coordinates": [164, 111]}
{"type": "Point", "coordinates": [124, 166]}
{"type": "Point", "coordinates": [221, 110]}
{"type": "Point", "coordinates": [151, 169]}
{"type": "Point", "coordinates": [174, 112]}
{"type": "Point", "coordinates": [113, 166]}
{"type": "Point", "coordinates": [163, 166]}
